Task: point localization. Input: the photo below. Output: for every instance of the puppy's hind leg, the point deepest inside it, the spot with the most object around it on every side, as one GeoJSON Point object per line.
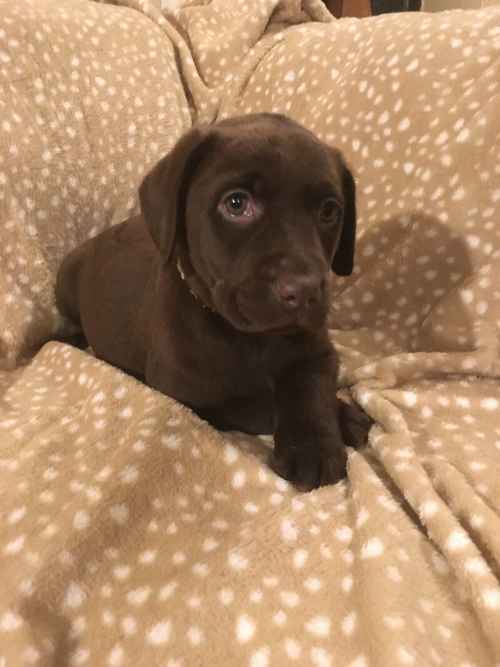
{"type": "Point", "coordinates": [354, 424]}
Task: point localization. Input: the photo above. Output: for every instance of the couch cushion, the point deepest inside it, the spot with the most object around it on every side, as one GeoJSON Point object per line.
{"type": "Point", "coordinates": [89, 98]}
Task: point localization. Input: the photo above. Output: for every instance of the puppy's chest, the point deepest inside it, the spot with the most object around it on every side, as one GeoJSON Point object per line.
{"type": "Point", "coordinates": [248, 366]}
{"type": "Point", "coordinates": [240, 368]}
{"type": "Point", "coordinates": [204, 367]}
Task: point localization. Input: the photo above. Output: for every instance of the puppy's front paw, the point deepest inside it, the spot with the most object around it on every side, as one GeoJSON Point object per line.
{"type": "Point", "coordinates": [312, 463]}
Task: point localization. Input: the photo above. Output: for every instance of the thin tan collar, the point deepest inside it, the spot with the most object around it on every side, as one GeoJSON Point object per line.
{"type": "Point", "coordinates": [184, 279]}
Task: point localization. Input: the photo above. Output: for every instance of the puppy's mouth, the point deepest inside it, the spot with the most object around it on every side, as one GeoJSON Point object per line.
{"type": "Point", "coordinates": [251, 326]}
{"type": "Point", "coordinates": [260, 313]}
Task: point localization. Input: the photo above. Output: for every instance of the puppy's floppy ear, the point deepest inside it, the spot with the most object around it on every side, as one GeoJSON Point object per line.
{"type": "Point", "coordinates": [343, 261]}
{"type": "Point", "coordinates": [163, 191]}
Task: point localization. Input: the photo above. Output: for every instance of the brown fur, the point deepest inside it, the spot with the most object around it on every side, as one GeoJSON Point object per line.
{"type": "Point", "coordinates": [187, 300]}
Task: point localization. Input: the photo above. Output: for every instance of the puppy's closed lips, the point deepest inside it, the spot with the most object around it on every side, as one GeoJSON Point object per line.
{"type": "Point", "coordinates": [273, 307]}
{"type": "Point", "coordinates": [285, 314]}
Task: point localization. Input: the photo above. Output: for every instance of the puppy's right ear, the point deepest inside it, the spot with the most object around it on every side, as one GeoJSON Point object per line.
{"type": "Point", "coordinates": [163, 191]}
{"type": "Point", "coordinates": [343, 262]}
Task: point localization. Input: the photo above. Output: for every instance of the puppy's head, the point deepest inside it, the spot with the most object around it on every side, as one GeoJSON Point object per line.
{"type": "Point", "coordinates": [259, 211]}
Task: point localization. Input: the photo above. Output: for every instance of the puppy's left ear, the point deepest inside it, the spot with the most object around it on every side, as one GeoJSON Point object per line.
{"type": "Point", "coordinates": [343, 261]}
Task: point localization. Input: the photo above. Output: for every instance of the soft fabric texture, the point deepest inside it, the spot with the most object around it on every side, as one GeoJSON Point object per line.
{"type": "Point", "coordinates": [91, 98]}
{"type": "Point", "coordinates": [134, 534]}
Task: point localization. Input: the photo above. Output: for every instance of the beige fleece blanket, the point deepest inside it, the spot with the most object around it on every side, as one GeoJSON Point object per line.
{"type": "Point", "coordinates": [131, 533]}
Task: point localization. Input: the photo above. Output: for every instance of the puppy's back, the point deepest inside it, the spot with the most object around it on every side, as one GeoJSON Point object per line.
{"type": "Point", "coordinates": [103, 286]}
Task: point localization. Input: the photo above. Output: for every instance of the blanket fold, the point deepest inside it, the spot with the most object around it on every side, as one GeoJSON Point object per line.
{"type": "Point", "coordinates": [131, 532]}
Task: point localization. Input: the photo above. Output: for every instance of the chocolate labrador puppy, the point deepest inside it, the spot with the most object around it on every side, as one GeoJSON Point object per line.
{"type": "Point", "coordinates": [218, 294]}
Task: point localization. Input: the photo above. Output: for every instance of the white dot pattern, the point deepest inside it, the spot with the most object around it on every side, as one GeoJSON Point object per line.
{"type": "Point", "coordinates": [131, 533]}
{"type": "Point", "coordinates": [91, 99]}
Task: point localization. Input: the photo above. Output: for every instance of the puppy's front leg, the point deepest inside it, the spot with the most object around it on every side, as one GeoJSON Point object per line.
{"type": "Point", "coordinates": [308, 446]}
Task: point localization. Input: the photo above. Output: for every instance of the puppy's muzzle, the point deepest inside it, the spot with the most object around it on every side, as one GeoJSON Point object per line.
{"type": "Point", "coordinates": [296, 292]}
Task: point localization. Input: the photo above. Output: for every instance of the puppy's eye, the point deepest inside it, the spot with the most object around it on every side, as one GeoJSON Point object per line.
{"type": "Point", "coordinates": [239, 206]}
{"type": "Point", "coordinates": [329, 211]}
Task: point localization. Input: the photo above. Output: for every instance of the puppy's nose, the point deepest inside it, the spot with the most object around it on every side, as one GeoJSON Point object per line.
{"type": "Point", "coordinates": [299, 291]}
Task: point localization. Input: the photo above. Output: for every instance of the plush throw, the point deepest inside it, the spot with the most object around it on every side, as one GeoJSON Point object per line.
{"type": "Point", "coordinates": [131, 532]}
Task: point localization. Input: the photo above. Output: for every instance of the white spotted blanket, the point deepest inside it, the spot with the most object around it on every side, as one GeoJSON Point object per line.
{"type": "Point", "coordinates": [131, 532]}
